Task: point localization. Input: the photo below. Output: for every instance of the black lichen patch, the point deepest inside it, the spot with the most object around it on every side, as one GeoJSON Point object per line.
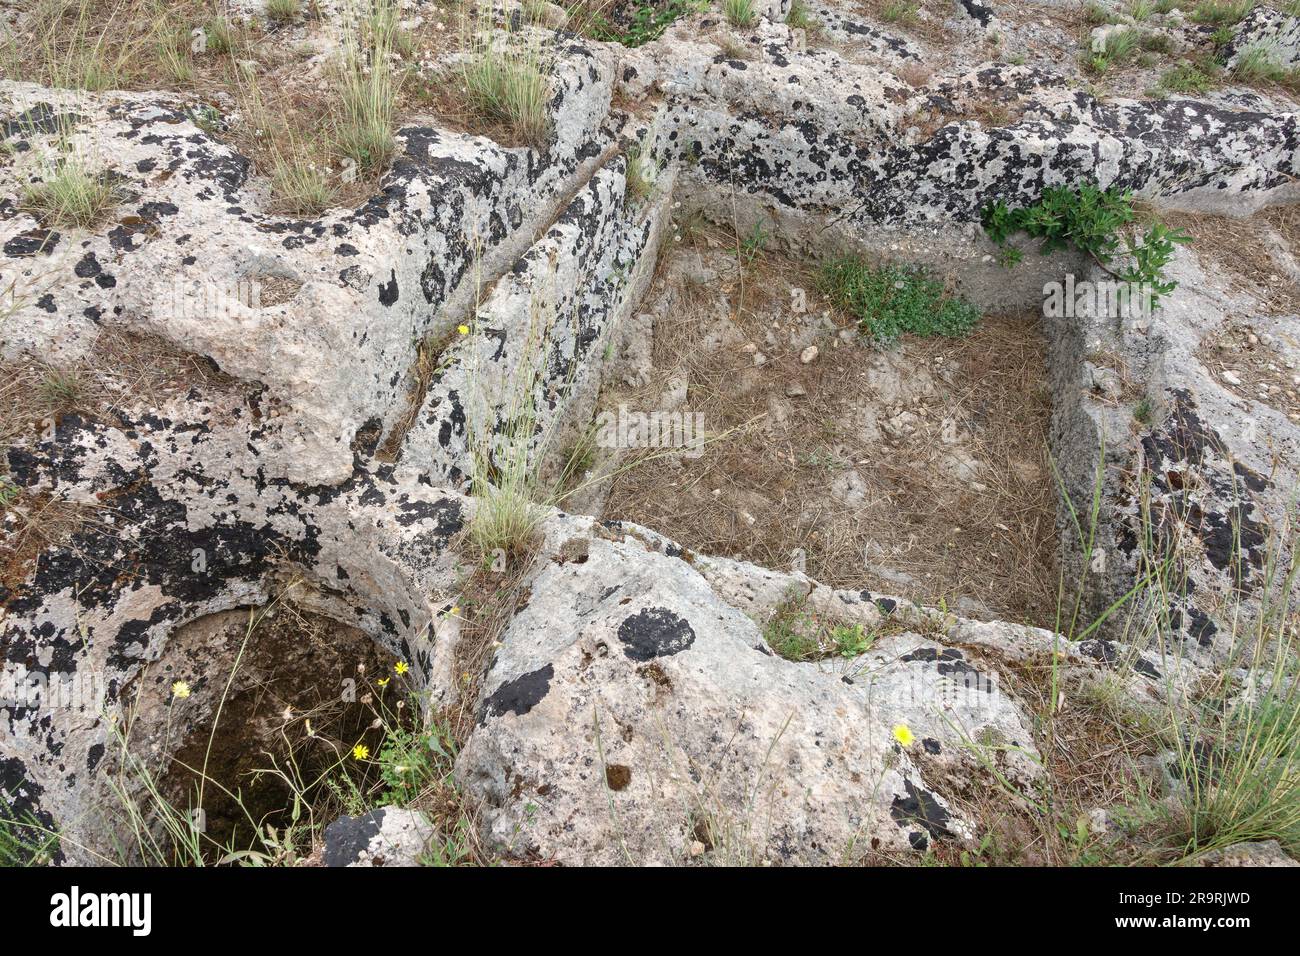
{"type": "Point", "coordinates": [655, 632]}
{"type": "Point", "coordinates": [950, 662]}
{"type": "Point", "coordinates": [347, 837]}
{"type": "Point", "coordinates": [520, 695]}
{"type": "Point", "coordinates": [920, 808]}
{"type": "Point", "coordinates": [31, 243]}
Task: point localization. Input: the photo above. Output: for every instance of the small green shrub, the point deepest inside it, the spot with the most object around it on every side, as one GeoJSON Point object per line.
{"type": "Point", "coordinates": [795, 633]}
{"type": "Point", "coordinates": [891, 300]}
{"type": "Point", "coordinates": [1156, 42]}
{"type": "Point", "coordinates": [9, 493]}
{"type": "Point", "coordinates": [754, 243]}
{"type": "Point", "coordinates": [1192, 78]}
{"type": "Point", "coordinates": [1095, 222]}
{"type": "Point", "coordinates": [1143, 411]}
{"type": "Point", "coordinates": [411, 763]}
{"type": "Point", "coordinates": [850, 640]}
{"type": "Point", "coordinates": [648, 22]}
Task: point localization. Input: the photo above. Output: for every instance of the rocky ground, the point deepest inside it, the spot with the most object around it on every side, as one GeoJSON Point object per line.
{"type": "Point", "coordinates": [1020, 596]}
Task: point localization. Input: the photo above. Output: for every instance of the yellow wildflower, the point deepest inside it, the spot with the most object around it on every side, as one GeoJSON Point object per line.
{"type": "Point", "coordinates": [463, 329]}
{"type": "Point", "coordinates": [360, 752]}
{"type": "Point", "coordinates": [382, 682]}
{"type": "Point", "coordinates": [903, 734]}
{"type": "Point", "coordinates": [180, 690]}
{"type": "Point", "coordinates": [401, 668]}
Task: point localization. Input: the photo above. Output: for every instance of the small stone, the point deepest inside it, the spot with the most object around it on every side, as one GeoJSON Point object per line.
{"type": "Point", "coordinates": [1231, 377]}
{"type": "Point", "coordinates": [795, 390]}
{"type": "Point", "coordinates": [809, 355]}
{"type": "Point", "coordinates": [759, 359]}
{"type": "Point", "coordinates": [697, 848]}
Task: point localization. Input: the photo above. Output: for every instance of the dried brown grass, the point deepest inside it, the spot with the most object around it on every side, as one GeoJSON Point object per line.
{"type": "Point", "coordinates": [772, 477]}
{"type": "Point", "coordinates": [1238, 248]}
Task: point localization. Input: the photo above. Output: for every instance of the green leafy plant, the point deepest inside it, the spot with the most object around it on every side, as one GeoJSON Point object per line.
{"type": "Point", "coordinates": [1196, 77]}
{"type": "Point", "coordinates": [794, 632]}
{"type": "Point", "coordinates": [754, 243]}
{"type": "Point", "coordinates": [411, 762]}
{"type": "Point", "coordinates": [206, 117]}
{"type": "Point", "coordinates": [647, 22]}
{"type": "Point", "coordinates": [1143, 411]}
{"type": "Point", "coordinates": [850, 640]}
{"type": "Point", "coordinates": [1098, 223]}
{"type": "Point", "coordinates": [9, 492]}
{"type": "Point", "coordinates": [891, 300]}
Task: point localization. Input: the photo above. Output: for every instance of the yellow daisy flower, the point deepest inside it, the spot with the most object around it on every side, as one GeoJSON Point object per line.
{"type": "Point", "coordinates": [382, 682]}
{"type": "Point", "coordinates": [463, 329]}
{"type": "Point", "coordinates": [401, 668]}
{"type": "Point", "coordinates": [360, 752]}
{"type": "Point", "coordinates": [903, 734]}
{"type": "Point", "coordinates": [180, 690]}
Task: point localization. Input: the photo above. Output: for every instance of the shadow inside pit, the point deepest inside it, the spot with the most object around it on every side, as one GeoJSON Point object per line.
{"type": "Point", "coordinates": [274, 745]}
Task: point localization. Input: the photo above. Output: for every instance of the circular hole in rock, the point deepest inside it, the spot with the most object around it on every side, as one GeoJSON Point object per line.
{"type": "Point", "coordinates": [305, 692]}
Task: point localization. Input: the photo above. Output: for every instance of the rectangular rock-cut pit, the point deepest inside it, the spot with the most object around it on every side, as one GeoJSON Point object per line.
{"type": "Point", "coordinates": [918, 469]}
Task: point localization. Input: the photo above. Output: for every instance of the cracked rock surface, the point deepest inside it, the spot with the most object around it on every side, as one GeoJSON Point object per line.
{"type": "Point", "coordinates": [631, 708]}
